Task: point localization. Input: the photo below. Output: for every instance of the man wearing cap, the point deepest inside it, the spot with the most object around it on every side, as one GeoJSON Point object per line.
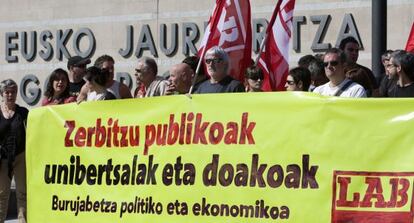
{"type": "Point", "coordinates": [76, 67]}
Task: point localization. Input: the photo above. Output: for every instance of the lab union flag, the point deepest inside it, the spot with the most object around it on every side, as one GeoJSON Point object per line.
{"type": "Point", "coordinates": [229, 27]}
{"type": "Point", "coordinates": [274, 60]}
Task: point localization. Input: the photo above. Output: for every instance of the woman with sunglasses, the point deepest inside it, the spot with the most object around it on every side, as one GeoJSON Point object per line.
{"type": "Point", "coordinates": [299, 79]}
{"type": "Point", "coordinates": [57, 89]}
{"type": "Point", "coordinates": [253, 79]}
{"type": "Point", "coordinates": [12, 149]}
{"type": "Point", "coordinates": [96, 79]}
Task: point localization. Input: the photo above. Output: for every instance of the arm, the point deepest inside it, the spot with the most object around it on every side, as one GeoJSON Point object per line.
{"type": "Point", "coordinates": [124, 91]}
{"type": "Point", "coordinates": [83, 94]}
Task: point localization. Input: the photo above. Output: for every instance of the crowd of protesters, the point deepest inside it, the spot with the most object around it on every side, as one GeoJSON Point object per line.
{"type": "Point", "coordinates": [335, 73]}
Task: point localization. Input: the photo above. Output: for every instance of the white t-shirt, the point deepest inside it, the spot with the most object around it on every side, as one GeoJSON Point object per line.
{"type": "Point", "coordinates": [353, 91]}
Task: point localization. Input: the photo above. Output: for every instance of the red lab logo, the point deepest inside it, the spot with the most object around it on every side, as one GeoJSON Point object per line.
{"type": "Point", "coordinates": [372, 197]}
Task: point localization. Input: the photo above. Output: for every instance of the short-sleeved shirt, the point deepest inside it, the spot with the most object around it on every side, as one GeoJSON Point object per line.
{"type": "Point", "coordinates": [227, 84]}
{"type": "Point", "coordinates": [387, 86]}
{"type": "Point", "coordinates": [352, 91]}
{"type": "Point", "coordinates": [75, 88]}
{"type": "Point", "coordinates": [403, 92]}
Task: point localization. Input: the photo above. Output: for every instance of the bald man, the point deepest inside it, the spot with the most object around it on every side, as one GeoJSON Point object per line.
{"type": "Point", "coordinates": [180, 79]}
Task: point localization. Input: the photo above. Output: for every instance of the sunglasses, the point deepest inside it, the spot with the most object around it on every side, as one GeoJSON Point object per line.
{"type": "Point", "coordinates": [255, 78]}
{"type": "Point", "coordinates": [290, 82]}
{"type": "Point", "coordinates": [333, 63]}
{"type": "Point", "coordinates": [215, 60]}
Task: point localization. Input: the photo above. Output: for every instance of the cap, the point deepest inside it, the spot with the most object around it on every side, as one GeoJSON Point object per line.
{"type": "Point", "coordinates": [77, 60]}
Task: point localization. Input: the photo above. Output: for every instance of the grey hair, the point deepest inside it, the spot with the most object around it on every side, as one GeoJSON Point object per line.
{"type": "Point", "coordinates": [8, 83]}
{"type": "Point", "coordinates": [150, 62]}
{"type": "Point", "coordinates": [339, 52]}
{"type": "Point", "coordinates": [221, 53]}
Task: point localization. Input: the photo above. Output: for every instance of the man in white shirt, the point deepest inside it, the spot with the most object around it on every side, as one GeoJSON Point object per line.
{"type": "Point", "coordinates": [334, 61]}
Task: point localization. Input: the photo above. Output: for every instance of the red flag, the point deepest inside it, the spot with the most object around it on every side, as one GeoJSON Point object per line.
{"type": "Point", "coordinates": [229, 27]}
{"type": "Point", "coordinates": [409, 47]}
{"type": "Point", "coordinates": [274, 60]}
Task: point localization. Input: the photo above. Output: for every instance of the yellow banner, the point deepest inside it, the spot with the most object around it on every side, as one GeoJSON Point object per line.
{"type": "Point", "coordinates": [230, 158]}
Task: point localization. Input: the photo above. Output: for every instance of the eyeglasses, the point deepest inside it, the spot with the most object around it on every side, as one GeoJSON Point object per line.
{"type": "Point", "coordinates": [333, 63]}
{"type": "Point", "coordinates": [215, 60]}
{"type": "Point", "coordinates": [290, 82]}
{"type": "Point", "coordinates": [390, 65]}
{"type": "Point", "coordinates": [255, 78]}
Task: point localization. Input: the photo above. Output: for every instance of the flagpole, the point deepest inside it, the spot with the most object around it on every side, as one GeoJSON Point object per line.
{"type": "Point", "coordinates": [197, 71]}
{"type": "Point", "coordinates": [214, 21]}
{"type": "Point", "coordinates": [261, 49]}
{"type": "Point", "coordinates": [268, 29]}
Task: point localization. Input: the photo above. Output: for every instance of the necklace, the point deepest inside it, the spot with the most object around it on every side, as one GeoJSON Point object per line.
{"type": "Point", "coordinates": [7, 112]}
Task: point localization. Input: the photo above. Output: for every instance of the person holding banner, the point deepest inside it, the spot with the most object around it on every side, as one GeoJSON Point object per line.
{"type": "Point", "coordinates": [217, 62]}
{"type": "Point", "coordinates": [200, 77]}
{"type": "Point", "coordinates": [350, 46]}
{"type": "Point", "coordinates": [76, 67]}
{"type": "Point", "coordinates": [12, 149]}
{"type": "Point", "coordinates": [117, 88]}
{"type": "Point", "coordinates": [180, 79]}
{"type": "Point", "coordinates": [57, 89]}
{"type": "Point", "coordinates": [146, 74]}
{"type": "Point", "coordinates": [95, 80]}
{"type": "Point", "coordinates": [402, 62]}
{"type": "Point", "coordinates": [390, 78]}
{"type": "Point", "coordinates": [299, 79]}
{"type": "Point", "coordinates": [253, 79]}
{"type": "Point", "coordinates": [334, 61]}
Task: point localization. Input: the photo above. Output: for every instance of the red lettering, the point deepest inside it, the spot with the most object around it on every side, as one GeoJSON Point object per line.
{"type": "Point", "coordinates": [190, 118]}
{"type": "Point", "coordinates": [172, 131]}
{"type": "Point", "coordinates": [91, 132]}
{"type": "Point", "coordinates": [200, 130]}
{"type": "Point", "coordinates": [109, 134]}
{"type": "Point", "coordinates": [402, 193]}
{"type": "Point", "coordinates": [374, 190]}
{"type": "Point", "coordinates": [115, 130]}
{"type": "Point", "coordinates": [214, 137]}
{"type": "Point", "coordinates": [150, 135]}
{"type": "Point", "coordinates": [182, 129]}
{"type": "Point", "coordinates": [80, 137]}
{"type": "Point", "coordinates": [161, 134]}
{"type": "Point", "coordinates": [71, 126]}
{"type": "Point", "coordinates": [133, 138]}
{"type": "Point", "coordinates": [232, 132]}
{"type": "Point", "coordinates": [394, 193]}
{"type": "Point", "coordinates": [343, 193]}
{"type": "Point", "coordinates": [246, 132]}
{"type": "Point", "coordinates": [100, 134]}
{"type": "Point", "coordinates": [124, 132]}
